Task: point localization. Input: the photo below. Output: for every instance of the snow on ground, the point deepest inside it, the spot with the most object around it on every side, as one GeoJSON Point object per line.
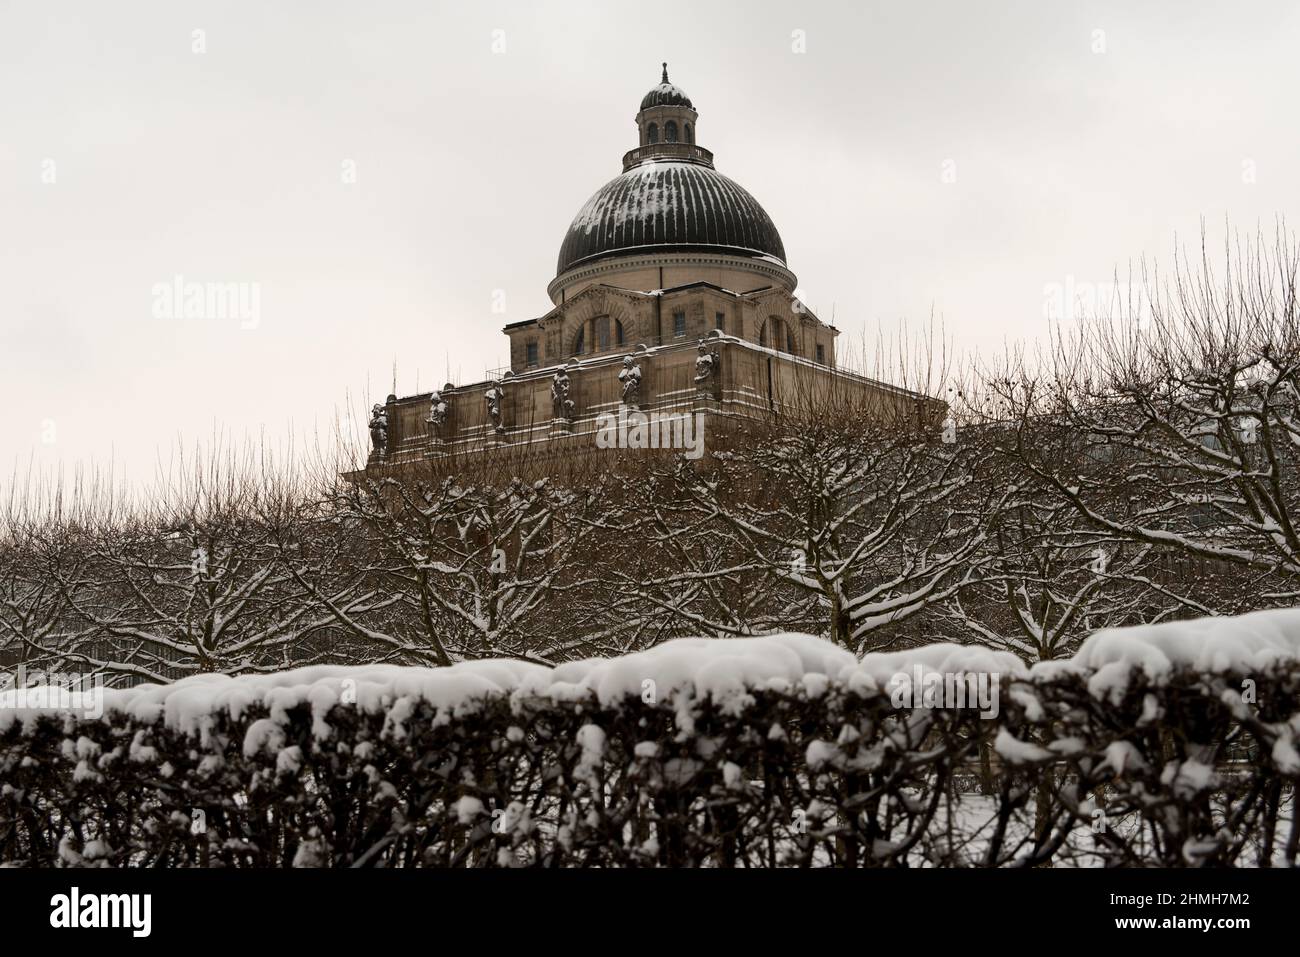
{"type": "Point", "coordinates": [720, 668]}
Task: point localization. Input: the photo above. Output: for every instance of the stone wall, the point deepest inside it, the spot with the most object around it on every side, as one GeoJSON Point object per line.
{"type": "Point", "coordinates": [752, 383]}
{"type": "Point", "coordinates": [645, 309]}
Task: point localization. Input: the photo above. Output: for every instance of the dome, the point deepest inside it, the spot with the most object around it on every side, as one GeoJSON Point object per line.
{"type": "Point", "coordinates": [674, 205]}
{"type": "Point", "coordinates": [666, 94]}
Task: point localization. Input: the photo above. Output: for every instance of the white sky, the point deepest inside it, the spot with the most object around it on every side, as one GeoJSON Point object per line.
{"type": "Point", "coordinates": [225, 166]}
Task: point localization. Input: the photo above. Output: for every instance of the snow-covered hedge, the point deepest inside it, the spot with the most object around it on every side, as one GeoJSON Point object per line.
{"type": "Point", "coordinates": [1171, 745]}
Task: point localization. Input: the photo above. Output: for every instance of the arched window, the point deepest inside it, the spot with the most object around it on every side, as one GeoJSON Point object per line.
{"type": "Point", "coordinates": [670, 131]}
{"type": "Point", "coordinates": [652, 133]}
{"type": "Point", "coordinates": [777, 334]}
{"type": "Point", "coordinates": [600, 336]}
{"type": "Point", "coordinates": [690, 136]}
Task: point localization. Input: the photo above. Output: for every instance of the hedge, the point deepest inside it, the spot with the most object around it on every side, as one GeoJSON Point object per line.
{"type": "Point", "coordinates": [1170, 745]}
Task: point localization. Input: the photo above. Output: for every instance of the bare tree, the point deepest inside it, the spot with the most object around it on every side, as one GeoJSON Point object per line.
{"type": "Point", "coordinates": [1172, 420]}
{"type": "Point", "coordinates": [856, 525]}
{"type": "Point", "coordinates": [473, 570]}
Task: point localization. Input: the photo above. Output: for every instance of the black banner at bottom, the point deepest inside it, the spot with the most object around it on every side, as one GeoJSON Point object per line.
{"type": "Point", "coordinates": [133, 907]}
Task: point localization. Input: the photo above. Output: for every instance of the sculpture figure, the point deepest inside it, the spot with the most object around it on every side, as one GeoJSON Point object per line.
{"type": "Point", "coordinates": [437, 411]}
{"type": "Point", "coordinates": [493, 397]}
{"type": "Point", "coordinates": [561, 404]}
{"type": "Point", "coordinates": [707, 364]}
{"type": "Point", "coordinates": [379, 430]}
{"type": "Point", "coordinates": [630, 376]}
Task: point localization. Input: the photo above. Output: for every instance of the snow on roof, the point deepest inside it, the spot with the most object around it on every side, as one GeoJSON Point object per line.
{"type": "Point", "coordinates": [724, 669]}
{"type": "Point", "coordinates": [670, 203]}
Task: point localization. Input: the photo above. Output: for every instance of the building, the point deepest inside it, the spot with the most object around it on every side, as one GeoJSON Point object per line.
{"type": "Point", "coordinates": [672, 294]}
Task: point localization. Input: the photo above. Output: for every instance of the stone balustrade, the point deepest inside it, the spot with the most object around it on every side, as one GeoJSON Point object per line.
{"type": "Point", "coordinates": [687, 152]}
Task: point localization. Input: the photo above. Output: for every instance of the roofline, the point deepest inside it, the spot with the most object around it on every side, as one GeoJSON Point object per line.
{"type": "Point", "coordinates": [617, 356]}
{"type": "Point", "coordinates": [698, 284]}
{"type": "Point", "coordinates": [763, 263]}
{"type": "Point", "coordinates": [745, 252]}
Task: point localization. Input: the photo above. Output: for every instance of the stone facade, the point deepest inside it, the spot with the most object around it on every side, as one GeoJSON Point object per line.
{"type": "Point", "coordinates": [751, 382]}
{"type": "Point", "coordinates": [671, 272]}
{"type": "Point", "coordinates": [614, 316]}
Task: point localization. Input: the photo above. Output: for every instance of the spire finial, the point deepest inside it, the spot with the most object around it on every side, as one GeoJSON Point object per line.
{"type": "Point", "coordinates": [665, 71]}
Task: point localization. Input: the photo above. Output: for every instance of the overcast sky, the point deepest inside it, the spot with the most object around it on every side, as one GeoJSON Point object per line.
{"type": "Point", "coordinates": [378, 171]}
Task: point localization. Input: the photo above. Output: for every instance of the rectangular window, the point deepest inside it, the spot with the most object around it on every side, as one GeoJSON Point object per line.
{"type": "Point", "coordinates": [679, 325]}
{"type": "Point", "coordinates": [531, 350]}
{"type": "Point", "coordinates": [821, 354]}
{"type": "Point", "coordinates": [719, 320]}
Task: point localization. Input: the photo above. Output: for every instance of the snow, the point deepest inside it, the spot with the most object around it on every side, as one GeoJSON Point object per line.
{"type": "Point", "coordinates": [1122, 756]}
{"type": "Point", "coordinates": [468, 808]}
{"type": "Point", "coordinates": [703, 667]}
{"type": "Point", "coordinates": [1248, 644]}
{"type": "Point", "coordinates": [1285, 755]}
{"type": "Point", "coordinates": [876, 671]}
{"type": "Point", "coordinates": [189, 704]}
{"type": "Point", "coordinates": [1016, 751]}
{"type": "Point", "coordinates": [684, 670]}
{"type": "Point", "coordinates": [591, 738]}
{"type": "Point", "coordinates": [1189, 778]}
{"type": "Point", "coordinates": [732, 775]}
{"type": "Point", "coordinates": [821, 753]}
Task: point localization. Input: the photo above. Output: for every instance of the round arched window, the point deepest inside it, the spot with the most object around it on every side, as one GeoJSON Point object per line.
{"type": "Point", "coordinates": [652, 133]}
{"type": "Point", "coordinates": [670, 131]}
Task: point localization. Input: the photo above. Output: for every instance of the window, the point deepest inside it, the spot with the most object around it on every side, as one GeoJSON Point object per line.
{"type": "Point", "coordinates": [719, 320]}
{"type": "Point", "coordinates": [769, 334]}
{"type": "Point", "coordinates": [789, 341]}
{"type": "Point", "coordinates": [652, 133]}
{"type": "Point", "coordinates": [618, 332]}
{"type": "Point", "coordinates": [531, 353]}
{"type": "Point", "coordinates": [670, 131]}
{"type": "Point", "coordinates": [580, 343]}
{"type": "Point", "coordinates": [602, 333]}
{"type": "Point", "coordinates": [821, 354]}
{"type": "Point", "coordinates": [679, 325]}
{"type": "Point", "coordinates": [690, 137]}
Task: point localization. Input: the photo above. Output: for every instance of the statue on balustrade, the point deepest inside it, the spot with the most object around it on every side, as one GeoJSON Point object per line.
{"type": "Point", "coordinates": [630, 376]}
{"type": "Point", "coordinates": [494, 397]}
{"type": "Point", "coordinates": [378, 431]}
{"type": "Point", "coordinates": [708, 365]}
{"type": "Point", "coordinates": [437, 411]}
{"type": "Point", "coordinates": [561, 404]}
